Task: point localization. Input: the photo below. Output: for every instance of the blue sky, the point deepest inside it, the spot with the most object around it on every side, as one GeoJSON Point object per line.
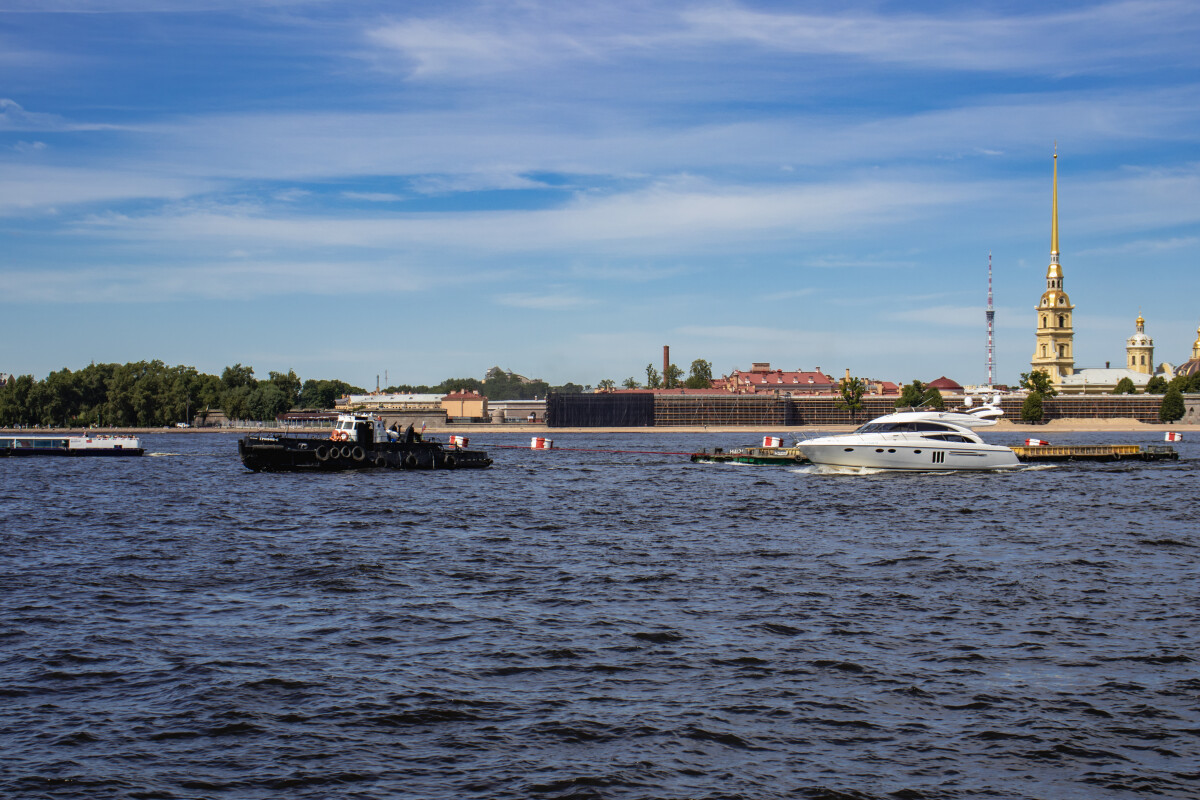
{"type": "Point", "coordinates": [430, 189]}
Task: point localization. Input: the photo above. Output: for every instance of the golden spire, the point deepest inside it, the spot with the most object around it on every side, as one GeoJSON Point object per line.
{"type": "Point", "coordinates": [1054, 207]}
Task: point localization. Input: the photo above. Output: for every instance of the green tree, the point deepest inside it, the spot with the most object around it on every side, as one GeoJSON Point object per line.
{"type": "Point", "coordinates": [607, 385]}
{"type": "Point", "coordinates": [673, 377]}
{"type": "Point", "coordinates": [630, 383]}
{"type": "Point", "coordinates": [234, 402]}
{"type": "Point", "coordinates": [933, 399]}
{"type": "Point", "coordinates": [653, 380]}
{"type": "Point", "coordinates": [1038, 381]}
{"type": "Point", "coordinates": [1031, 409]}
{"type": "Point", "coordinates": [1172, 407]}
{"type": "Point", "coordinates": [700, 376]}
{"type": "Point", "coordinates": [851, 391]}
{"type": "Point", "coordinates": [14, 402]}
{"type": "Point", "coordinates": [1157, 385]}
{"type": "Point", "coordinates": [911, 395]}
{"type": "Point", "coordinates": [266, 401]}
{"type": "Point", "coordinates": [237, 375]}
{"type": "Point", "coordinates": [324, 393]}
{"type": "Point", "coordinates": [1125, 386]}
{"type": "Point", "coordinates": [287, 383]}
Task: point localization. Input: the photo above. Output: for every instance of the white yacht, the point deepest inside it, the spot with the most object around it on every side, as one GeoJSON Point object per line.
{"type": "Point", "coordinates": [914, 440]}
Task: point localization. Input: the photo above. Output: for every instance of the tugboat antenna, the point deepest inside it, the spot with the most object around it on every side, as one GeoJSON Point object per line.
{"type": "Point", "coordinates": [991, 323]}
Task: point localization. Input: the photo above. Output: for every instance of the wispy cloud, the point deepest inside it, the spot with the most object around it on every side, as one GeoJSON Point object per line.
{"type": "Point", "coordinates": [1141, 246]}
{"type": "Point", "coordinates": [555, 301]}
{"type": "Point", "coordinates": [13, 117]}
{"type": "Point", "coordinates": [538, 35]}
{"type": "Point", "coordinates": [678, 221]}
{"type": "Point", "coordinates": [30, 187]}
{"type": "Point", "coordinates": [237, 278]}
{"type": "Point", "coordinates": [373, 197]}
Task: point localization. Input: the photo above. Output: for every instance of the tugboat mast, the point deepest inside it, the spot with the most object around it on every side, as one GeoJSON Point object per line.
{"type": "Point", "coordinates": [991, 324]}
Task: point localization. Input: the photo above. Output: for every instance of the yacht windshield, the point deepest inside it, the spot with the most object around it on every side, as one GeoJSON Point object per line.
{"type": "Point", "coordinates": [905, 427]}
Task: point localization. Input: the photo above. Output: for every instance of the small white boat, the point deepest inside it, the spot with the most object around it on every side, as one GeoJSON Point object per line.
{"type": "Point", "coordinates": [915, 440]}
{"type": "Point", "coordinates": [41, 444]}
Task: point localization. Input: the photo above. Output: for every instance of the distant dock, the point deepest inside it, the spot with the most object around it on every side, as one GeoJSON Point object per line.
{"type": "Point", "coordinates": [778, 456]}
{"type": "Point", "coordinates": [1095, 452]}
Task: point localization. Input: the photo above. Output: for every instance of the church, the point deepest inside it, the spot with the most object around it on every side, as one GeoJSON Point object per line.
{"type": "Point", "coordinates": [1054, 350]}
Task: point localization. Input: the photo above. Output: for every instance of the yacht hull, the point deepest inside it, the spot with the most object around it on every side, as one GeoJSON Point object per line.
{"type": "Point", "coordinates": [920, 458]}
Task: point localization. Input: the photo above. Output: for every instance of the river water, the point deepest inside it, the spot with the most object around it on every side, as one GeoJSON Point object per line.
{"type": "Point", "coordinates": [577, 624]}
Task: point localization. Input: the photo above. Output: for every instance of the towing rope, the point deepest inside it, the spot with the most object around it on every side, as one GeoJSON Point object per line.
{"type": "Point", "coordinates": [585, 449]}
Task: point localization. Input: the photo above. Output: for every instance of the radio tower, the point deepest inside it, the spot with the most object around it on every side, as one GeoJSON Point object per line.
{"type": "Point", "coordinates": [991, 321]}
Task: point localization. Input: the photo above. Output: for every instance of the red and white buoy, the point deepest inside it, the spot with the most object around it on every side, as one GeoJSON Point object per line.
{"type": "Point", "coordinates": [1173, 436]}
{"type": "Point", "coordinates": [1036, 443]}
{"type": "Point", "coordinates": [458, 441]}
{"type": "Point", "coordinates": [541, 443]}
{"type": "Point", "coordinates": [772, 441]}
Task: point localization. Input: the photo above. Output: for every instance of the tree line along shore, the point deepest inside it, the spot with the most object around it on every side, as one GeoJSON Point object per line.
{"type": "Point", "coordinates": [150, 394]}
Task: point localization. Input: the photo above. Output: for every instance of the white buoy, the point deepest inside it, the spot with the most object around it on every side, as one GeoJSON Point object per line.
{"type": "Point", "coordinates": [458, 441]}
{"type": "Point", "coordinates": [1173, 436]}
{"type": "Point", "coordinates": [772, 441]}
{"type": "Point", "coordinates": [541, 443]}
{"type": "Point", "coordinates": [1036, 443]}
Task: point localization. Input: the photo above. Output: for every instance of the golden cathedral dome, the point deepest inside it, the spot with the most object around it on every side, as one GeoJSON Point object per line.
{"type": "Point", "coordinates": [1055, 298]}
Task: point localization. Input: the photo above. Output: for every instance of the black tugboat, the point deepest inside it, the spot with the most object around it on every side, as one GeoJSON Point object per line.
{"type": "Point", "coordinates": [358, 441]}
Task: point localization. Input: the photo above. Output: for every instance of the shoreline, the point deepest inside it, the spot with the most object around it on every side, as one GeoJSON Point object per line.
{"type": "Point", "coordinates": [1113, 425]}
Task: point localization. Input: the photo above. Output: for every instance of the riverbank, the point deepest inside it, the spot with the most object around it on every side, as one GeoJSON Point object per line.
{"type": "Point", "coordinates": [1117, 425]}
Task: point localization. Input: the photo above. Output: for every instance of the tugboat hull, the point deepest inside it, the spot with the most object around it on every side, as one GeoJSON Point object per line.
{"type": "Point", "coordinates": [267, 453]}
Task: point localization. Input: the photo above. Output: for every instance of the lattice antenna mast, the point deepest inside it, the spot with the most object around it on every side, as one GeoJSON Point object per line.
{"type": "Point", "coordinates": [991, 328]}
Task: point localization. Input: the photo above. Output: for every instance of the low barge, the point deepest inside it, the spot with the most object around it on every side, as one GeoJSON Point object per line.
{"type": "Point", "coordinates": [74, 445]}
{"type": "Point", "coordinates": [357, 442]}
{"type": "Point", "coordinates": [1094, 452]}
{"type": "Point", "coordinates": [776, 456]}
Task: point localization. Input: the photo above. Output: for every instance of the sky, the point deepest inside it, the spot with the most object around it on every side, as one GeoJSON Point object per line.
{"type": "Point", "coordinates": [412, 191]}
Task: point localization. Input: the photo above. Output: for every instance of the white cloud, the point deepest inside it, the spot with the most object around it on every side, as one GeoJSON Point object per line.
{"type": "Point", "coordinates": [555, 301]}
{"type": "Point", "coordinates": [291, 195]}
{"type": "Point", "coordinates": [373, 197]}
{"type": "Point", "coordinates": [28, 187]}
{"type": "Point", "coordinates": [944, 316]}
{"type": "Point", "coordinates": [445, 47]}
{"type": "Point", "coordinates": [657, 219]}
{"type": "Point", "coordinates": [237, 279]}
{"type": "Point", "coordinates": [541, 36]}
{"type": "Point", "coordinates": [13, 117]}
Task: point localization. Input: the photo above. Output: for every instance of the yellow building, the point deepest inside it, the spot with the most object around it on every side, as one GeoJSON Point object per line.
{"type": "Point", "coordinates": [1139, 350]}
{"type": "Point", "coordinates": [1191, 366]}
{"type": "Point", "coordinates": [468, 405]}
{"type": "Point", "coordinates": [1054, 351]}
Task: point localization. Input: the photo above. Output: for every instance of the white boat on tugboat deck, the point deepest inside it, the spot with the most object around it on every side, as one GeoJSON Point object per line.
{"type": "Point", "coordinates": [915, 440]}
{"type": "Point", "coordinates": [358, 441]}
{"type": "Point", "coordinates": [69, 444]}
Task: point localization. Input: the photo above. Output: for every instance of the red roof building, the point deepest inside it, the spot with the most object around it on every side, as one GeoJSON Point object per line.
{"type": "Point", "coordinates": [763, 379]}
{"type": "Point", "coordinates": [945, 386]}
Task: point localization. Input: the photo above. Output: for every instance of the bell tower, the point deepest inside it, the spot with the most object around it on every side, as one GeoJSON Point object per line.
{"type": "Point", "coordinates": [1054, 351]}
{"type": "Point", "coordinates": [1139, 350]}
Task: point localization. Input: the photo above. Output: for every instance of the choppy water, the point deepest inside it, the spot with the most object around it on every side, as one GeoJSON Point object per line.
{"type": "Point", "coordinates": [580, 624]}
